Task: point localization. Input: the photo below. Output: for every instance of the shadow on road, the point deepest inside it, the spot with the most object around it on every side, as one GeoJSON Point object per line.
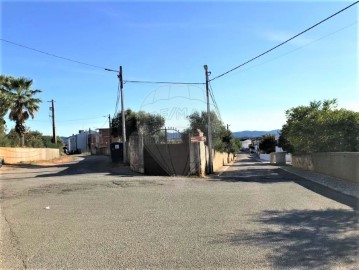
{"type": "Point", "coordinates": [304, 238]}
{"type": "Point", "coordinates": [251, 171]}
{"type": "Point", "coordinates": [91, 164]}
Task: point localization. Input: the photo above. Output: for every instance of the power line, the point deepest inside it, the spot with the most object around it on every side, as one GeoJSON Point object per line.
{"type": "Point", "coordinates": [163, 82]}
{"type": "Point", "coordinates": [81, 119]}
{"type": "Point", "coordinates": [286, 41]}
{"type": "Point", "coordinates": [91, 65]}
{"type": "Point", "coordinates": [117, 99]}
{"type": "Point", "coordinates": [61, 121]}
{"type": "Point", "coordinates": [298, 48]}
{"type": "Point", "coordinates": [153, 82]}
{"type": "Point", "coordinates": [51, 54]}
{"type": "Point", "coordinates": [214, 102]}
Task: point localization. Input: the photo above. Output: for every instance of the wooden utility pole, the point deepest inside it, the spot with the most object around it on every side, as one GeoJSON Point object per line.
{"type": "Point", "coordinates": [123, 118]}
{"type": "Point", "coordinates": [209, 128]}
{"type": "Point", "coordinates": [109, 128]}
{"type": "Point", "coordinates": [54, 139]}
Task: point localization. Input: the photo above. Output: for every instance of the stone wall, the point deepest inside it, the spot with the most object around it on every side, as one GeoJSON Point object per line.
{"type": "Point", "coordinates": [344, 165]}
{"type": "Point", "coordinates": [12, 155]}
{"type": "Point", "coordinates": [199, 159]}
{"type": "Point", "coordinates": [278, 158]}
{"type": "Point", "coordinates": [220, 160]}
{"type": "Point", "coordinates": [135, 153]}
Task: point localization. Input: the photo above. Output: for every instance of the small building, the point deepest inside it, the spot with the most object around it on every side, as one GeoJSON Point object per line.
{"type": "Point", "coordinates": [81, 142]}
{"type": "Point", "coordinates": [96, 142]}
{"type": "Point", "coordinates": [246, 143]}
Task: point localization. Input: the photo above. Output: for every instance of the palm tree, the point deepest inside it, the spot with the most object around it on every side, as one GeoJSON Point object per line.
{"type": "Point", "coordinates": [5, 82]}
{"type": "Point", "coordinates": [4, 89]}
{"type": "Point", "coordinates": [22, 103]}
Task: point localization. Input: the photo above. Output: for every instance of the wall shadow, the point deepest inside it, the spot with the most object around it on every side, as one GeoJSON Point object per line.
{"type": "Point", "coordinates": [259, 174]}
{"type": "Point", "coordinates": [91, 164]}
{"type": "Point", "coordinates": [304, 238]}
{"type": "Point", "coordinates": [267, 174]}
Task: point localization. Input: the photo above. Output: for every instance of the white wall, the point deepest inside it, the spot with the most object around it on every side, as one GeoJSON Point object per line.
{"type": "Point", "coordinates": [246, 143]}
{"type": "Point", "coordinates": [266, 157]}
{"type": "Point", "coordinates": [79, 141]}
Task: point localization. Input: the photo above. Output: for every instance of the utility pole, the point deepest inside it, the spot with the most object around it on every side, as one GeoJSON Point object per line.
{"type": "Point", "coordinates": [123, 118]}
{"type": "Point", "coordinates": [54, 139]}
{"type": "Point", "coordinates": [109, 128]}
{"type": "Point", "coordinates": [228, 127]}
{"type": "Point", "coordinates": [209, 128]}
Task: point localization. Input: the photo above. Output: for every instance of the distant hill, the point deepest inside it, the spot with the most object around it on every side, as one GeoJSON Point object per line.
{"type": "Point", "coordinates": [254, 134]}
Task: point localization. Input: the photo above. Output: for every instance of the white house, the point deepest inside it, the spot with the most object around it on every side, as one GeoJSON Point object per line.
{"type": "Point", "coordinates": [246, 143]}
{"type": "Point", "coordinates": [80, 142]}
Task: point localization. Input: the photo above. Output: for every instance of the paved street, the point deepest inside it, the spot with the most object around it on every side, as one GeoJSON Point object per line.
{"type": "Point", "coordinates": [91, 214]}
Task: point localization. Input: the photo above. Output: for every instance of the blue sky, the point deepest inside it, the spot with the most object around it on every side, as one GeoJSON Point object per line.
{"type": "Point", "coordinates": [171, 41]}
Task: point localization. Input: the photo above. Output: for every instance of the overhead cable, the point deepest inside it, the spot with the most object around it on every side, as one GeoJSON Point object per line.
{"type": "Point", "coordinates": [51, 54]}
{"type": "Point", "coordinates": [299, 48]}
{"type": "Point", "coordinates": [117, 100]}
{"type": "Point", "coordinates": [159, 82]}
{"type": "Point", "coordinates": [90, 65]}
{"type": "Point", "coordinates": [215, 102]}
{"type": "Point", "coordinates": [284, 42]}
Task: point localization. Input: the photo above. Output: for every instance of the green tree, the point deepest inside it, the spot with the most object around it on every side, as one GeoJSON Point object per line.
{"type": "Point", "coordinates": [268, 144]}
{"type": "Point", "coordinates": [48, 143]}
{"type": "Point", "coordinates": [13, 138]}
{"type": "Point", "coordinates": [219, 132]}
{"type": "Point", "coordinates": [229, 143]}
{"type": "Point", "coordinates": [320, 127]}
{"type": "Point", "coordinates": [22, 103]}
{"type": "Point", "coordinates": [5, 86]}
{"type": "Point", "coordinates": [237, 141]}
{"type": "Point", "coordinates": [32, 139]}
{"type": "Point", "coordinates": [283, 142]}
{"type": "Point", "coordinates": [141, 121]}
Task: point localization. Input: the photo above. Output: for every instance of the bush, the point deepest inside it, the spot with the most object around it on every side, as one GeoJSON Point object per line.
{"type": "Point", "coordinates": [268, 144]}
{"type": "Point", "coordinates": [320, 127]}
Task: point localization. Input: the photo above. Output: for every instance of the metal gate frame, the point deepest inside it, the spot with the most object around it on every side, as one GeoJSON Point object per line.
{"type": "Point", "coordinates": [169, 149]}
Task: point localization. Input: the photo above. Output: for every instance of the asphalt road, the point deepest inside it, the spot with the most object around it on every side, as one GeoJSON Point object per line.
{"type": "Point", "coordinates": [90, 214]}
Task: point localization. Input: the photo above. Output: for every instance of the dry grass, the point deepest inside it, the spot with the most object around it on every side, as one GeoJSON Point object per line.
{"type": "Point", "coordinates": [61, 160]}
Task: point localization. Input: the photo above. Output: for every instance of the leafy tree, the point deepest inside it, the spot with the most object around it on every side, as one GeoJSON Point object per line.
{"type": "Point", "coordinates": [4, 141]}
{"type": "Point", "coordinates": [5, 86]}
{"type": "Point", "coordinates": [237, 141]}
{"type": "Point", "coordinates": [48, 142]}
{"type": "Point", "coordinates": [320, 127]}
{"type": "Point", "coordinates": [268, 144]}
{"type": "Point", "coordinates": [220, 135]}
{"type": "Point", "coordinates": [283, 142]}
{"type": "Point", "coordinates": [14, 138]}
{"type": "Point", "coordinates": [32, 139]}
{"type": "Point", "coordinates": [137, 122]}
{"type": "Point", "coordinates": [230, 145]}
{"type": "Point", "coordinates": [22, 103]}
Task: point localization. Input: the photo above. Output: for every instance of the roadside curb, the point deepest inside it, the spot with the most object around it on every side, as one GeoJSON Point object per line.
{"type": "Point", "coordinates": [342, 186]}
{"type": "Point", "coordinates": [339, 185]}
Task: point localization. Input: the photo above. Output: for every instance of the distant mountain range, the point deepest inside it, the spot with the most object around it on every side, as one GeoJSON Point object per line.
{"type": "Point", "coordinates": [254, 133]}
